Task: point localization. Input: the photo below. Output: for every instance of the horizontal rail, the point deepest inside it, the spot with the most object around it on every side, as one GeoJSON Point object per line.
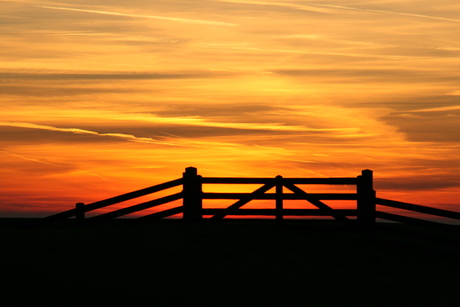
{"type": "Point", "coordinates": [331, 180]}
{"type": "Point", "coordinates": [59, 216]}
{"type": "Point", "coordinates": [274, 212]}
{"type": "Point", "coordinates": [418, 208]}
{"type": "Point", "coordinates": [131, 195]}
{"type": "Point", "coordinates": [138, 207]}
{"type": "Point", "coordinates": [114, 200]}
{"type": "Point", "coordinates": [407, 220]}
{"type": "Point", "coordinates": [241, 202]}
{"type": "Point", "coordinates": [316, 202]}
{"type": "Point", "coordinates": [231, 180]}
{"type": "Point", "coordinates": [227, 180]}
{"type": "Point", "coordinates": [287, 196]}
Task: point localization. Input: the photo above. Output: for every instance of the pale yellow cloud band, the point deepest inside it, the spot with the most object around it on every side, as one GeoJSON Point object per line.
{"type": "Point", "coordinates": [179, 121]}
{"type": "Point", "coordinates": [302, 7]}
{"type": "Point", "coordinates": [329, 8]}
{"type": "Point", "coordinates": [127, 137]}
{"type": "Point", "coordinates": [29, 158]}
{"type": "Point", "coordinates": [196, 121]}
{"type": "Point", "coordinates": [192, 121]}
{"type": "Point", "coordinates": [385, 12]}
{"type": "Point", "coordinates": [205, 22]}
{"type": "Point", "coordinates": [438, 109]}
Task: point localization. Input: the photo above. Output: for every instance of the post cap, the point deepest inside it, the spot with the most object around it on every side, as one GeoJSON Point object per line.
{"type": "Point", "coordinates": [191, 171]}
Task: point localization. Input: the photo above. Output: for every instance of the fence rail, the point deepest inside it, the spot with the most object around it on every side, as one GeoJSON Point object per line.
{"type": "Point", "coordinates": [192, 196]}
{"type": "Point", "coordinates": [328, 181]}
{"type": "Point", "coordinates": [138, 207]}
{"type": "Point", "coordinates": [287, 196]}
{"type": "Point", "coordinates": [273, 212]}
{"type": "Point", "coordinates": [408, 220]}
{"type": "Point", "coordinates": [418, 208]}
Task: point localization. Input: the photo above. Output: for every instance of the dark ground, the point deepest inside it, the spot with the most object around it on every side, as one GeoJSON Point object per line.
{"type": "Point", "coordinates": [230, 263]}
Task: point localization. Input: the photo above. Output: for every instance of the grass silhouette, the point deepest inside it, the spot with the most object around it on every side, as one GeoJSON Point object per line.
{"type": "Point", "coordinates": [229, 263]}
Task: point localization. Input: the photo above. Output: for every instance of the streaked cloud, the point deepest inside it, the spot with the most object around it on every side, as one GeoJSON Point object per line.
{"type": "Point", "coordinates": [375, 74]}
{"type": "Point", "coordinates": [203, 22]}
{"type": "Point", "coordinates": [50, 75]}
{"type": "Point", "coordinates": [350, 8]}
{"type": "Point", "coordinates": [41, 161]}
{"type": "Point", "coordinates": [14, 17]}
{"type": "Point", "coordinates": [318, 37]}
{"type": "Point", "coordinates": [305, 52]}
{"type": "Point", "coordinates": [303, 7]}
{"type": "Point", "coordinates": [49, 91]}
{"type": "Point", "coordinates": [438, 109]}
{"type": "Point", "coordinates": [196, 121]}
{"type": "Point", "coordinates": [332, 8]}
{"type": "Point", "coordinates": [126, 137]}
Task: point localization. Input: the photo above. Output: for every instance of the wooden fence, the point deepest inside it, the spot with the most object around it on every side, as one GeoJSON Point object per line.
{"type": "Point", "coordinates": [192, 195]}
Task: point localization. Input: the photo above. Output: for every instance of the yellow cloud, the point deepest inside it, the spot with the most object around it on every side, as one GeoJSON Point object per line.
{"type": "Point", "coordinates": [204, 22]}
{"type": "Point", "coordinates": [438, 109]}
{"type": "Point", "coordinates": [82, 131]}
{"type": "Point", "coordinates": [284, 4]}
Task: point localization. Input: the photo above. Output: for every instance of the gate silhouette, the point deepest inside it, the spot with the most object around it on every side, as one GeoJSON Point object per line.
{"type": "Point", "coordinates": [192, 195]}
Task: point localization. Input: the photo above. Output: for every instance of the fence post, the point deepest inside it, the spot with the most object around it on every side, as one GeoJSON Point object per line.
{"type": "Point", "coordinates": [279, 199]}
{"type": "Point", "coordinates": [80, 213]}
{"type": "Point", "coordinates": [366, 203]}
{"type": "Point", "coordinates": [192, 197]}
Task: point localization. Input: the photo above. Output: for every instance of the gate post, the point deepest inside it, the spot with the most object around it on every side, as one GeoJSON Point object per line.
{"type": "Point", "coordinates": [279, 199]}
{"type": "Point", "coordinates": [192, 198]}
{"type": "Point", "coordinates": [366, 203]}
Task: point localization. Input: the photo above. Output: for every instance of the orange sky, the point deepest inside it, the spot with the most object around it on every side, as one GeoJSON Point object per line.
{"type": "Point", "coordinates": [101, 99]}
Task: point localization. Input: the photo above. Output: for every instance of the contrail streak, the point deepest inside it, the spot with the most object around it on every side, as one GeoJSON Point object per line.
{"type": "Point", "coordinates": [127, 137]}
{"type": "Point", "coordinates": [438, 109]}
{"type": "Point", "coordinates": [284, 4]}
{"type": "Point", "coordinates": [328, 8]}
{"type": "Point", "coordinates": [195, 121]}
{"type": "Point", "coordinates": [29, 158]}
{"type": "Point", "coordinates": [215, 23]}
{"type": "Point", "coordinates": [349, 8]}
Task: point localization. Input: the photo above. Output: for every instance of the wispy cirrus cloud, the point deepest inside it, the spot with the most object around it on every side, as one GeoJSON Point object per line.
{"type": "Point", "coordinates": [331, 8]}
{"type": "Point", "coordinates": [333, 40]}
{"type": "Point", "coordinates": [375, 74]}
{"type": "Point", "coordinates": [301, 51]}
{"type": "Point", "coordinates": [302, 7]}
{"type": "Point", "coordinates": [195, 21]}
{"type": "Point", "coordinates": [203, 122]}
{"type": "Point", "coordinates": [349, 8]}
{"type": "Point", "coordinates": [33, 75]}
{"type": "Point", "coordinates": [41, 161]}
{"type": "Point", "coordinates": [123, 136]}
{"type": "Point", "coordinates": [437, 109]}
{"type": "Point", "coordinates": [184, 121]}
{"type": "Point", "coordinates": [14, 17]}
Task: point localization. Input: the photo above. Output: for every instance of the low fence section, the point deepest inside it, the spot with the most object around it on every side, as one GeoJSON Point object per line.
{"type": "Point", "coordinates": [192, 195]}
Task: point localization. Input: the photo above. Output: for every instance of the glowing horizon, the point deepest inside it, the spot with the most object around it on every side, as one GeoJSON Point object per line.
{"type": "Point", "coordinates": [99, 100]}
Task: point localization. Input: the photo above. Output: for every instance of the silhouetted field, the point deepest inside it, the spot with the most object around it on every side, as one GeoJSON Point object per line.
{"type": "Point", "coordinates": [230, 263]}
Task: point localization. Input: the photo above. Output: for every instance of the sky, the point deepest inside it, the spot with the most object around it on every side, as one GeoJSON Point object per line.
{"type": "Point", "coordinates": [99, 98]}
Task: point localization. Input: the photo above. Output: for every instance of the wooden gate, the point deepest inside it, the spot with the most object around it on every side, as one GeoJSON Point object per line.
{"type": "Point", "coordinates": [192, 195]}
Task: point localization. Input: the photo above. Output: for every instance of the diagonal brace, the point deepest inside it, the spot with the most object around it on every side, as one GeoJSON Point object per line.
{"type": "Point", "coordinates": [316, 202]}
{"type": "Point", "coordinates": [244, 201]}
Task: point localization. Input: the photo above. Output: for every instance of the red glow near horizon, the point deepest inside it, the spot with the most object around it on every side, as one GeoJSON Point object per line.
{"type": "Point", "coordinates": [102, 100]}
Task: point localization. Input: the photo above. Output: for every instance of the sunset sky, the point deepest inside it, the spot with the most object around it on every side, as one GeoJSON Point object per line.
{"type": "Point", "coordinates": [101, 99]}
